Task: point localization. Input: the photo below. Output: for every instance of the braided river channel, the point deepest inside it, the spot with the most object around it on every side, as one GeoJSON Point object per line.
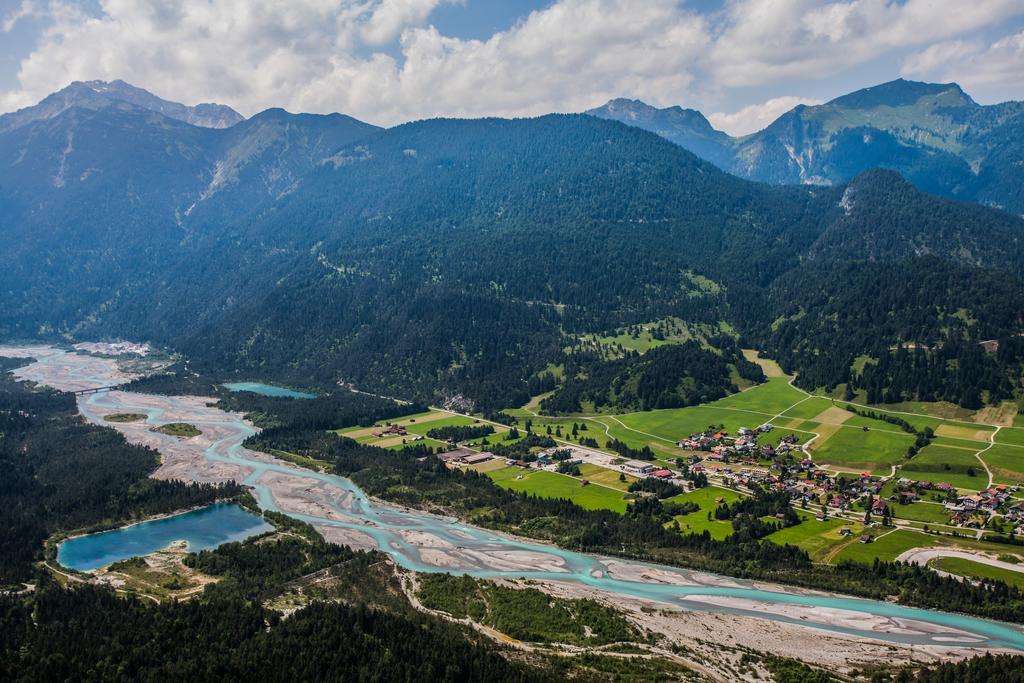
{"type": "Point", "coordinates": [425, 542]}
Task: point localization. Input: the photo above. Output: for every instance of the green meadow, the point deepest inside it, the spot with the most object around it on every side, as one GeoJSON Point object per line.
{"type": "Point", "coordinates": [854, 448]}
{"type": "Point", "coordinates": [886, 547]}
{"type": "Point", "coordinates": [977, 570]}
{"type": "Point", "coordinates": [1006, 463]}
{"type": "Point", "coordinates": [698, 522]}
{"type": "Point", "coordinates": [817, 538]}
{"type": "Point", "coordinates": [1013, 436]}
{"type": "Point", "coordinates": [552, 485]}
{"type": "Point", "coordinates": [774, 396]}
{"type": "Point", "coordinates": [938, 463]}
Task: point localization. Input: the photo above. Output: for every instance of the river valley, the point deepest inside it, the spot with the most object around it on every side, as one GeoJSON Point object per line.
{"type": "Point", "coordinates": [716, 607]}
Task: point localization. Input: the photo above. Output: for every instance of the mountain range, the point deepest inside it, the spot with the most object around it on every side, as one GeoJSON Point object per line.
{"type": "Point", "coordinates": [933, 134]}
{"type": "Point", "coordinates": [447, 257]}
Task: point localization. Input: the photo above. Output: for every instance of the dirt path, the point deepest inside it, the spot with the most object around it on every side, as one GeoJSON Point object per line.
{"type": "Point", "coordinates": [991, 443]}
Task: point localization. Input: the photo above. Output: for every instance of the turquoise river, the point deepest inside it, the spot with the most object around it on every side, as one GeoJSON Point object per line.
{"type": "Point", "coordinates": [425, 542]}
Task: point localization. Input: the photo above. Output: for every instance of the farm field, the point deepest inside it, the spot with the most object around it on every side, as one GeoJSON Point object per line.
{"type": "Point", "coordinates": [805, 410]}
{"type": "Point", "coordinates": [952, 465]}
{"type": "Point", "coordinates": [841, 443]}
{"type": "Point", "coordinates": [602, 475]}
{"type": "Point", "coordinates": [1006, 463]}
{"type": "Point", "coordinates": [817, 538]}
{"type": "Point", "coordinates": [774, 396]}
{"type": "Point", "coordinates": [417, 425]}
{"type": "Point", "coordinates": [886, 547]}
{"type": "Point", "coordinates": [552, 485]}
{"type": "Point", "coordinates": [977, 570]}
{"type": "Point", "coordinates": [1013, 436]}
{"type": "Point", "coordinates": [698, 522]}
{"type": "Point", "coordinates": [873, 450]}
{"type": "Point", "coordinates": [931, 513]}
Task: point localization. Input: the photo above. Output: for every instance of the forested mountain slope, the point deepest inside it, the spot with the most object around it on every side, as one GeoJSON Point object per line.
{"type": "Point", "coordinates": [933, 134]}
{"type": "Point", "coordinates": [104, 193]}
{"type": "Point", "coordinates": [454, 256]}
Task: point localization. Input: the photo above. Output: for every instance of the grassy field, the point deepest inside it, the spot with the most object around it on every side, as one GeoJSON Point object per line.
{"type": "Point", "coordinates": [772, 397]}
{"type": "Point", "coordinates": [603, 475]}
{"type": "Point", "coordinates": [1006, 462]}
{"type": "Point", "coordinates": [854, 448]}
{"type": "Point", "coordinates": [552, 485]}
{"type": "Point", "coordinates": [417, 425]}
{"type": "Point", "coordinates": [886, 547]}
{"type": "Point", "coordinates": [642, 343]}
{"type": "Point", "coordinates": [938, 463]}
{"type": "Point", "coordinates": [1011, 435]}
{"type": "Point", "coordinates": [698, 522]}
{"type": "Point", "coordinates": [930, 513]}
{"type": "Point", "coordinates": [812, 407]}
{"type": "Point", "coordinates": [977, 570]}
{"type": "Point", "coordinates": [817, 538]}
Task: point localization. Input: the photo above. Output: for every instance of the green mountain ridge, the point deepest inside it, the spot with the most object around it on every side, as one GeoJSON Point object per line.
{"type": "Point", "coordinates": [933, 134]}
{"type": "Point", "coordinates": [450, 257]}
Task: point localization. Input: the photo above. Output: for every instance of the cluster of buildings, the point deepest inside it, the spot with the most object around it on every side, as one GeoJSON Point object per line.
{"type": "Point", "coordinates": [464, 456]}
{"type": "Point", "coordinates": [645, 469]}
{"type": "Point", "coordinates": [723, 447]}
{"type": "Point", "coordinates": [391, 430]}
{"type": "Point", "coordinates": [973, 510]}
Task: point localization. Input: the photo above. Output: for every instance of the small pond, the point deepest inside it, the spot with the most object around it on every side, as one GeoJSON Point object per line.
{"type": "Point", "coordinates": [266, 390]}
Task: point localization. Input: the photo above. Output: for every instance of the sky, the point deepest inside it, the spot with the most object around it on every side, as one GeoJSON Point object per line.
{"type": "Point", "coordinates": [741, 62]}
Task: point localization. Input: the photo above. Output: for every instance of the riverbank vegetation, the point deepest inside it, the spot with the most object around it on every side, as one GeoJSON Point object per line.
{"type": "Point", "coordinates": [180, 429]}
{"type": "Point", "coordinates": [125, 417]}
{"type": "Point", "coordinates": [526, 613]}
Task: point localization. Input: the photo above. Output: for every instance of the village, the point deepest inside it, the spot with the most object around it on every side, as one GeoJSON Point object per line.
{"type": "Point", "coordinates": [752, 459]}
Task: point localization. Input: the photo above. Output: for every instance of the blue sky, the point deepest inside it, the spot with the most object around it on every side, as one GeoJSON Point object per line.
{"type": "Point", "coordinates": [742, 62]}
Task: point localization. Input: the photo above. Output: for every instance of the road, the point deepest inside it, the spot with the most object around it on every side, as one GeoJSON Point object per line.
{"type": "Point", "coordinates": [922, 556]}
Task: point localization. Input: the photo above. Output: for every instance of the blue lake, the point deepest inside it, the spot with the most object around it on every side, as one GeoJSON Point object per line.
{"type": "Point", "coordinates": [202, 529]}
{"type": "Point", "coordinates": [266, 390]}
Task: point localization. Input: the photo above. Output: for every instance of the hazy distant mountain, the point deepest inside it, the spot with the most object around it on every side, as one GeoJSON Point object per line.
{"type": "Point", "coordinates": [935, 135]}
{"type": "Point", "coordinates": [104, 186]}
{"type": "Point", "coordinates": [265, 157]}
{"type": "Point", "coordinates": [102, 94]}
{"type": "Point", "coordinates": [686, 127]}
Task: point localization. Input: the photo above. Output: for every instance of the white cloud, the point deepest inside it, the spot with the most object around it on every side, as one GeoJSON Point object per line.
{"type": "Point", "coordinates": [754, 117]}
{"type": "Point", "coordinates": [391, 17]}
{"type": "Point", "coordinates": [762, 41]}
{"type": "Point", "coordinates": [382, 60]}
{"type": "Point", "coordinates": [317, 55]}
{"type": "Point", "coordinates": [973, 65]}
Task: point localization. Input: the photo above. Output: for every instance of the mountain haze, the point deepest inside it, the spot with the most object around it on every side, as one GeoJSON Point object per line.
{"type": "Point", "coordinates": [102, 94]}
{"type": "Point", "coordinates": [463, 256]}
{"type": "Point", "coordinates": [935, 135]}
